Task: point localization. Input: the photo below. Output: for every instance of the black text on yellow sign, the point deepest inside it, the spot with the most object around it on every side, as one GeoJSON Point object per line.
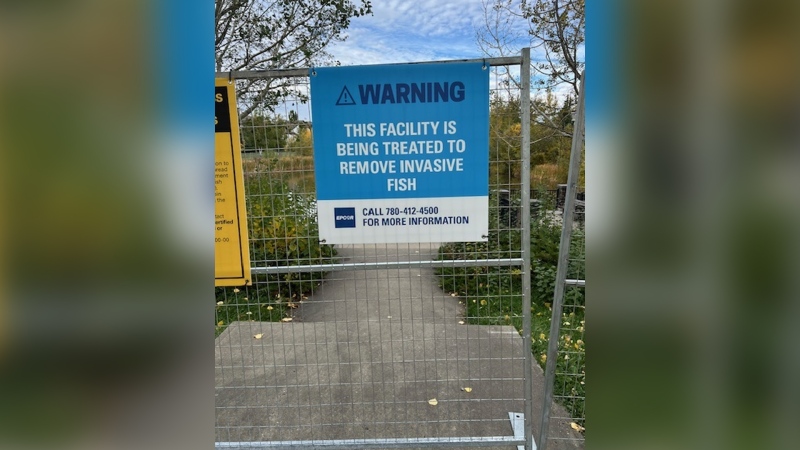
{"type": "Point", "coordinates": [232, 257]}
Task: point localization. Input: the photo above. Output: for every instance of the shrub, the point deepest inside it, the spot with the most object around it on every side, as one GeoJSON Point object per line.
{"type": "Point", "coordinates": [283, 230]}
{"type": "Point", "coordinates": [493, 295]}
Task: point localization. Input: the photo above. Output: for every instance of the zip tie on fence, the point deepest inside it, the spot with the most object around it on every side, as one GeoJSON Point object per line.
{"type": "Point", "coordinates": [313, 72]}
{"type": "Point", "coordinates": [484, 64]}
{"type": "Point", "coordinates": [230, 77]}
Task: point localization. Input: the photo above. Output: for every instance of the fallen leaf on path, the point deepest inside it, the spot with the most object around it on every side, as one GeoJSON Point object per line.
{"type": "Point", "coordinates": [269, 308]}
{"type": "Point", "coordinates": [467, 389]}
{"type": "Point", "coordinates": [576, 427]}
{"type": "Point", "coordinates": [461, 322]}
{"type": "Point", "coordinates": [292, 305]}
{"type": "Point", "coordinates": [286, 319]}
{"type": "Point", "coordinates": [258, 336]}
{"type": "Point", "coordinates": [433, 402]}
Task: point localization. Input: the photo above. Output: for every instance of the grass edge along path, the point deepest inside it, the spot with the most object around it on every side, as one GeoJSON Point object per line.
{"type": "Point", "coordinates": [493, 296]}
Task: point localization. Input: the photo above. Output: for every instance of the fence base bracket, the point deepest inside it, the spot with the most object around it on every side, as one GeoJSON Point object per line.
{"type": "Point", "coordinates": [518, 425]}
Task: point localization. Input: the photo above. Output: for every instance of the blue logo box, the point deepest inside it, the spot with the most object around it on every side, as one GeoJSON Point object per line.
{"type": "Point", "coordinates": [345, 217]}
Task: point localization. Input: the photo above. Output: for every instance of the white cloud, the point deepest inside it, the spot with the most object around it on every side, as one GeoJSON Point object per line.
{"type": "Point", "coordinates": [425, 30]}
{"type": "Point", "coordinates": [404, 31]}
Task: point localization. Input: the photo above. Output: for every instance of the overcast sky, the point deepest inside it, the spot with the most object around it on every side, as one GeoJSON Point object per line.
{"type": "Point", "coordinates": [406, 30]}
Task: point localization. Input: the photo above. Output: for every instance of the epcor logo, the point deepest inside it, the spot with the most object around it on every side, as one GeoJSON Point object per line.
{"type": "Point", "coordinates": [344, 217]}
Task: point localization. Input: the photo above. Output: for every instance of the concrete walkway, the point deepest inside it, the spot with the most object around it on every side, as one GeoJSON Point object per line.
{"type": "Point", "coordinates": [393, 294]}
{"type": "Point", "coordinates": [363, 358]}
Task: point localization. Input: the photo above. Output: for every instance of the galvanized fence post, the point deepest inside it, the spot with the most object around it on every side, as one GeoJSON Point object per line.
{"type": "Point", "coordinates": [563, 262]}
{"type": "Point", "coordinates": [525, 106]}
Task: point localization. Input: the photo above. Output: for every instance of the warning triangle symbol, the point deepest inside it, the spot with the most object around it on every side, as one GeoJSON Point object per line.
{"type": "Point", "coordinates": [345, 98]}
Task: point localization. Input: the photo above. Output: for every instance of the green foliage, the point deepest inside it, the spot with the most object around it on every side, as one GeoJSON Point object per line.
{"type": "Point", "coordinates": [282, 229]}
{"type": "Point", "coordinates": [291, 169]}
{"type": "Point", "coordinates": [277, 34]}
{"type": "Point", "coordinates": [547, 146]}
{"type": "Point", "coordinates": [570, 379]}
{"type": "Point", "coordinates": [259, 302]}
{"type": "Point", "coordinates": [504, 141]}
{"type": "Point", "coordinates": [282, 224]}
{"type": "Point", "coordinates": [493, 295]}
{"type": "Point", "coordinates": [556, 34]}
{"type": "Point", "coordinates": [276, 135]}
{"type": "Point", "coordinates": [545, 240]}
{"type": "Point", "coordinates": [543, 282]}
{"type": "Point", "coordinates": [262, 133]}
{"type": "Point", "coordinates": [559, 27]}
{"type": "Point", "coordinates": [302, 144]}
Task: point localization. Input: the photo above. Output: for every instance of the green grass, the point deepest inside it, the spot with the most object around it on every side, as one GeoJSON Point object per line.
{"type": "Point", "coordinates": [282, 231]}
{"type": "Point", "coordinates": [248, 303]}
{"type": "Point", "coordinates": [270, 299]}
{"type": "Point", "coordinates": [493, 296]}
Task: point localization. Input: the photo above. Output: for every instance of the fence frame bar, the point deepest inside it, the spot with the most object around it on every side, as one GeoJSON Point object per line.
{"type": "Point", "coordinates": [563, 262]}
{"type": "Point", "coordinates": [333, 267]}
{"type": "Point", "coordinates": [377, 443]}
{"type": "Point", "coordinates": [303, 71]}
{"type": "Point", "coordinates": [525, 121]}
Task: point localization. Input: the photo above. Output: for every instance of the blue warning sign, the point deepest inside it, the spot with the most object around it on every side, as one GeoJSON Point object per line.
{"type": "Point", "coordinates": [345, 98]}
{"type": "Point", "coordinates": [408, 159]}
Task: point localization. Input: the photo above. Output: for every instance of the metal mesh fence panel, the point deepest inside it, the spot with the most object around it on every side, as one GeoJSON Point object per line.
{"type": "Point", "coordinates": [569, 388]}
{"type": "Point", "coordinates": [564, 422]}
{"type": "Point", "coordinates": [358, 346]}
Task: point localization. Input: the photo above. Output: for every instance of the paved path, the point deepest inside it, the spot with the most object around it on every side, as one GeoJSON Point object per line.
{"type": "Point", "coordinates": [364, 355]}
{"type": "Point", "coordinates": [410, 295]}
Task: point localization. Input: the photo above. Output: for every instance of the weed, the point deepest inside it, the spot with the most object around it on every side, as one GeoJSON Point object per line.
{"type": "Point", "coordinates": [493, 295]}
{"type": "Point", "coordinates": [282, 229]}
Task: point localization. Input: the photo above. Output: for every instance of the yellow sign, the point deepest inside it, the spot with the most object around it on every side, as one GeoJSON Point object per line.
{"type": "Point", "coordinates": [232, 258]}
